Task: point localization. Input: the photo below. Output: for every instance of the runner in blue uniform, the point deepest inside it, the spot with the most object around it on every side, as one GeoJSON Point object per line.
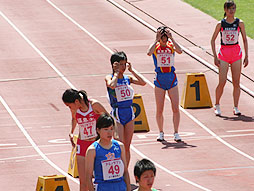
{"type": "Point", "coordinates": [163, 51]}
{"type": "Point", "coordinates": [106, 158]}
{"type": "Point", "coordinates": [120, 95]}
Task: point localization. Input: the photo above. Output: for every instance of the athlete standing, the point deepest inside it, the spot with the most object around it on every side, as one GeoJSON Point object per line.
{"type": "Point", "coordinates": [84, 113]}
{"type": "Point", "coordinates": [121, 97]}
{"type": "Point", "coordinates": [163, 52]}
{"type": "Point", "coordinates": [106, 158]}
{"type": "Point", "coordinates": [230, 54]}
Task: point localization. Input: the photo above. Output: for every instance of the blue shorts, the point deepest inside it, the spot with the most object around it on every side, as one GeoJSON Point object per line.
{"type": "Point", "coordinates": [165, 81]}
{"type": "Point", "coordinates": [123, 115]}
{"type": "Point", "coordinates": [116, 186]}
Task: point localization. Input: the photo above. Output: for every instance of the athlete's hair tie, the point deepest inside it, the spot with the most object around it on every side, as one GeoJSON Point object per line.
{"type": "Point", "coordinates": [81, 95]}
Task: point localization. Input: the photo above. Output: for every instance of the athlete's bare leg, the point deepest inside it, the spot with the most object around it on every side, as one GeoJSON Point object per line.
{"type": "Point", "coordinates": [128, 134]}
{"type": "Point", "coordinates": [174, 97]}
{"type": "Point", "coordinates": [236, 73]}
{"type": "Point", "coordinates": [159, 99]}
{"type": "Point", "coordinates": [223, 71]}
{"type": "Point", "coordinates": [81, 171]}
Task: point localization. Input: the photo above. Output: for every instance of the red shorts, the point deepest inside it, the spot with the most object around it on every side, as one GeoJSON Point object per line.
{"type": "Point", "coordinates": [230, 53]}
{"type": "Point", "coordinates": [82, 146]}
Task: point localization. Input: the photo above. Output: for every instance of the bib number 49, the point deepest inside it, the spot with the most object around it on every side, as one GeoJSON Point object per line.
{"type": "Point", "coordinates": [114, 169]}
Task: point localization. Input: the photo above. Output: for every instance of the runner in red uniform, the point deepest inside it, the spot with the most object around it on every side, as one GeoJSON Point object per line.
{"type": "Point", "coordinates": [230, 54]}
{"type": "Point", "coordinates": [84, 113]}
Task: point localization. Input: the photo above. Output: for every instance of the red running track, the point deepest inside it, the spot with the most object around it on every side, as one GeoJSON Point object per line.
{"type": "Point", "coordinates": [39, 44]}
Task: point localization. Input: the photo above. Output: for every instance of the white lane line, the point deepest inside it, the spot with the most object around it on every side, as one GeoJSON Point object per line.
{"type": "Point", "coordinates": [20, 160]}
{"type": "Point", "coordinates": [40, 146]}
{"type": "Point", "coordinates": [46, 127]}
{"type": "Point", "coordinates": [215, 169]}
{"type": "Point", "coordinates": [59, 141]}
{"type": "Point", "coordinates": [150, 83]}
{"type": "Point", "coordinates": [141, 137]}
{"type": "Point", "coordinates": [37, 155]}
{"type": "Point", "coordinates": [10, 144]}
{"type": "Point", "coordinates": [241, 130]}
{"type": "Point", "coordinates": [33, 143]}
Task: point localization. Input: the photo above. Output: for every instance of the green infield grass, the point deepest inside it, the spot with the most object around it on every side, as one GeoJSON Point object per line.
{"type": "Point", "coordinates": [215, 8]}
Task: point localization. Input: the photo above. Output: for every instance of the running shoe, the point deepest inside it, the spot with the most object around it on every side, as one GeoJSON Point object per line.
{"type": "Point", "coordinates": [177, 137]}
{"type": "Point", "coordinates": [160, 137]}
{"type": "Point", "coordinates": [217, 110]}
{"type": "Point", "coordinates": [236, 111]}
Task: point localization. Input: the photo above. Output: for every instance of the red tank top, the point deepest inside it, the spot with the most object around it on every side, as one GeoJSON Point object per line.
{"type": "Point", "coordinates": [87, 123]}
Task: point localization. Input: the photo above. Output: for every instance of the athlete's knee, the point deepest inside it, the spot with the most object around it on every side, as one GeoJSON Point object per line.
{"type": "Point", "coordinates": [221, 84]}
{"type": "Point", "coordinates": [175, 110]}
{"type": "Point", "coordinates": [159, 111]}
{"type": "Point", "coordinates": [127, 148]}
{"type": "Point", "coordinates": [236, 83]}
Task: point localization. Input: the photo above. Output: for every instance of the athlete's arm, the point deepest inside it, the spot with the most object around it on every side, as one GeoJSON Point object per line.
{"type": "Point", "coordinates": [177, 48]}
{"type": "Point", "coordinates": [90, 156]}
{"type": "Point", "coordinates": [112, 81]}
{"type": "Point", "coordinates": [136, 78]}
{"type": "Point", "coordinates": [126, 173]}
{"type": "Point", "coordinates": [98, 107]}
{"type": "Point", "coordinates": [215, 34]}
{"type": "Point", "coordinates": [151, 48]}
{"type": "Point", "coordinates": [245, 43]}
{"type": "Point", "coordinates": [73, 126]}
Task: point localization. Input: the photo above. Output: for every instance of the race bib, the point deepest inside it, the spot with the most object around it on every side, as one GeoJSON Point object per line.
{"type": "Point", "coordinates": [124, 93]}
{"type": "Point", "coordinates": [87, 130]}
{"type": "Point", "coordinates": [112, 169]}
{"type": "Point", "coordinates": [165, 60]}
{"type": "Point", "coordinates": [230, 37]}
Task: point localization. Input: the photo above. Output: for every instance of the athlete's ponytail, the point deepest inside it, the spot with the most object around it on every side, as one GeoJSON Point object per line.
{"type": "Point", "coordinates": [83, 95]}
{"type": "Point", "coordinates": [70, 95]}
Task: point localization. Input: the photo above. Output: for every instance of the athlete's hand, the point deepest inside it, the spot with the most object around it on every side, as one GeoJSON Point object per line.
{"type": "Point", "coordinates": [217, 62]}
{"type": "Point", "coordinates": [245, 62]}
{"type": "Point", "coordinates": [129, 66]}
{"type": "Point", "coordinates": [168, 33]}
{"type": "Point", "coordinates": [116, 67]}
{"type": "Point", "coordinates": [158, 35]}
{"type": "Point", "coordinates": [71, 139]}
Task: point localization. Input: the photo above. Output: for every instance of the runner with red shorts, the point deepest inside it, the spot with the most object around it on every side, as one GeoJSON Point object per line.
{"type": "Point", "coordinates": [230, 54]}
{"type": "Point", "coordinates": [84, 113]}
